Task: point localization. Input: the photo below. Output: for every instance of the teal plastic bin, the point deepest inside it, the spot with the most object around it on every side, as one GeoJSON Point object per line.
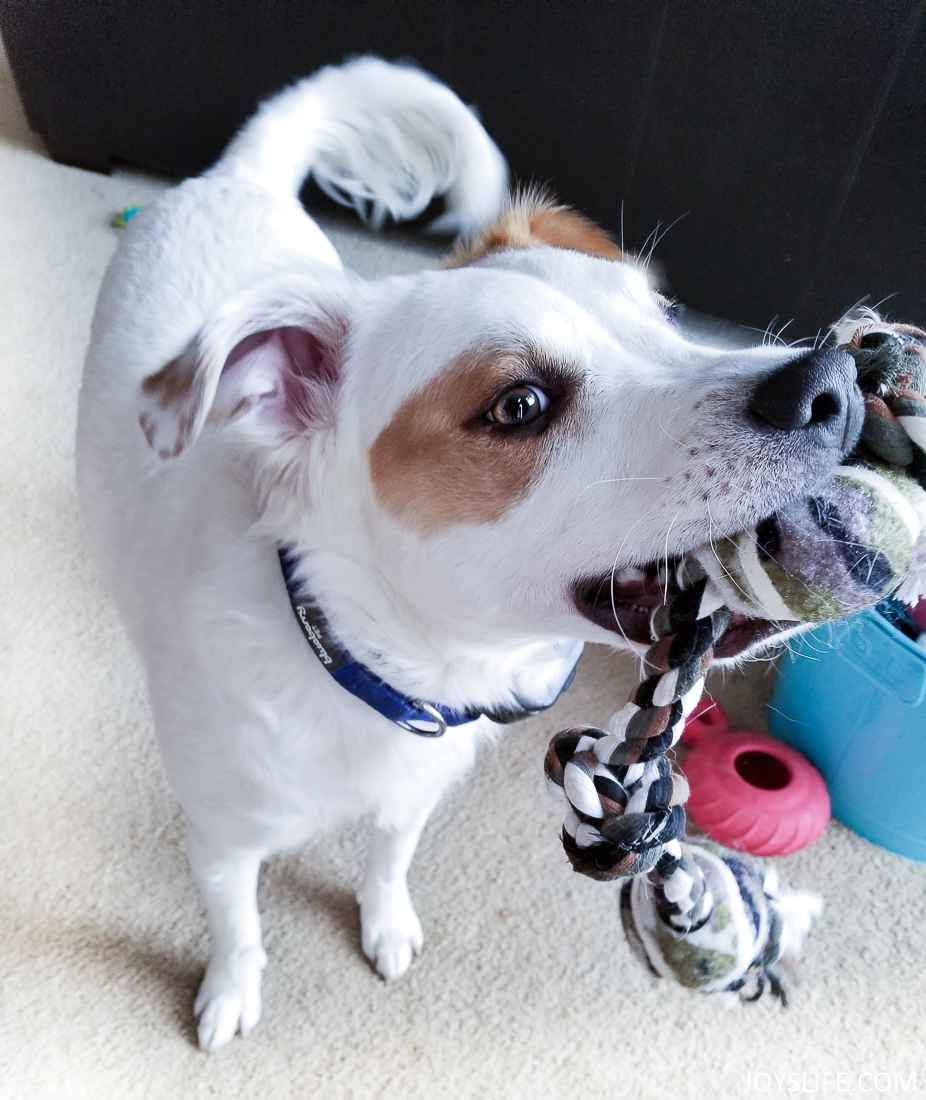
{"type": "Point", "coordinates": [852, 698]}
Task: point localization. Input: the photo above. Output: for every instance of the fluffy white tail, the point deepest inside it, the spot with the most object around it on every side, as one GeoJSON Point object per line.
{"type": "Point", "coordinates": [382, 138]}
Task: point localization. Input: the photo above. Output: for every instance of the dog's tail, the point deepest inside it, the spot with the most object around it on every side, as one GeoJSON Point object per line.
{"type": "Point", "coordinates": [382, 138]}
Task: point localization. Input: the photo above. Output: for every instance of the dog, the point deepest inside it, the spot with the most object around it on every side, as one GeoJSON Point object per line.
{"type": "Point", "coordinates": [352, 527]}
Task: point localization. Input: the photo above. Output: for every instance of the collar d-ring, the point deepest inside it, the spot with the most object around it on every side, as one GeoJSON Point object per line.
{"type": "Point", "coordinates": [413, 726]}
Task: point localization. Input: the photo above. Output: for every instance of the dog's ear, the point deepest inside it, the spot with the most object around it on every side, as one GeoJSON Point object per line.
{"type": "Point", "coordinates": [533, 220]}
{"type": "Point", "coordinates": [272, 355]}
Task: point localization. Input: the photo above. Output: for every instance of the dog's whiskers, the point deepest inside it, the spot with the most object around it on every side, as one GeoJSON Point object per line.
{"type": "Point", "coordinates": [612, 481]}
{"type": "Point", "coordinates": [653, 238]}
{"type": "Point", "coordinates": [665, 593]}
{"type": "Point", "coordinates": [669, 434]}
{"type": "Point", "coordinates": [617, 558]}
{"type": "Point", "coordinates": [661, 235]}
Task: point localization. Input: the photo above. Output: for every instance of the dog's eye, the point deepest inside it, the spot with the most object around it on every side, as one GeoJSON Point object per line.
{"type": "Point", "coordinates": [520, 405]}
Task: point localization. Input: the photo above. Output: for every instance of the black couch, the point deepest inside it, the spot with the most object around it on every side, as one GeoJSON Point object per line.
{"type": "Point", "coordinates": [788, 135]}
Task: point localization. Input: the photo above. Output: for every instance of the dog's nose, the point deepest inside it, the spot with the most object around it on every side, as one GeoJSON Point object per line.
{"type": "Point", "coordinates": [816, 395]}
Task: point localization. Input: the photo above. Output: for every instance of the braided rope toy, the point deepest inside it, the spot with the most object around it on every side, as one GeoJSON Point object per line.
{"type": "Point", "coordinates": [711, 920]}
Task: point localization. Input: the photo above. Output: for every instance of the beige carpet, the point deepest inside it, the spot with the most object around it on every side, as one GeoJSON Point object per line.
{"type": "Point", "coordinates": [525, 989]}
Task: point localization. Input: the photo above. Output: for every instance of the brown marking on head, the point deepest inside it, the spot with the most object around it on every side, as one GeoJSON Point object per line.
{"type": "Point", "coordinates": [177, 388]}
{"type": "Point", "coordinates": [534, 221]}
{"type": "Point", "coordinates": [440, 462]}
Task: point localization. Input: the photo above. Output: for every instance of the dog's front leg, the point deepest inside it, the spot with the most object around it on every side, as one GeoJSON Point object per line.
{"type": "Point", "coordinates": [229, 997]}
{"type": "Point", "coordinates": [390, 927]}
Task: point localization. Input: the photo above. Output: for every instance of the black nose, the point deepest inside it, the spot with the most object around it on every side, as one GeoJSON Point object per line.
{"type": "Point", "coordinates": [816, 395]}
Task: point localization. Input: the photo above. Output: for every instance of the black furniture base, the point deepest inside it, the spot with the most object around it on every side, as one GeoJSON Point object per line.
{"type": "Point", "coordinates": [789, 136]}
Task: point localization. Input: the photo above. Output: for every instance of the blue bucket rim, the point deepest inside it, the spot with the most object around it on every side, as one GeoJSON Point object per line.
{"type": "Point", "coordinates": [872, 616]}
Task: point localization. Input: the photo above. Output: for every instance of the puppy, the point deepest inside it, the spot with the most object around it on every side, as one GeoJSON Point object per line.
{"type": "Point", "coordinates": [353, 526]}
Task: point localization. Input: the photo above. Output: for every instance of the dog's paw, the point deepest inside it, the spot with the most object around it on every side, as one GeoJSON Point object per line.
{"type": "Point", "coordinates": [228, 1002]}
{"type": "Point", "coordinates": [391, 932]}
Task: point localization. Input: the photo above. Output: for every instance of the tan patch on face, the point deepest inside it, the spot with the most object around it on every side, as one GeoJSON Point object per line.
{"type": "Point", "coordinates": [437, 463]}
{"type": "Point", "coordinates": [535, 222]}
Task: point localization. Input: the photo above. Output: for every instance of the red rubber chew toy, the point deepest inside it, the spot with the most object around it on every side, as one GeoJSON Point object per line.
{"type": "Point", "coordinates": [749, 791]}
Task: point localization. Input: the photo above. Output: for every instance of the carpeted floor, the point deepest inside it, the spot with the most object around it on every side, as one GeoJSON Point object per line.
{"type": "Point", "coordinates": [525, 988]}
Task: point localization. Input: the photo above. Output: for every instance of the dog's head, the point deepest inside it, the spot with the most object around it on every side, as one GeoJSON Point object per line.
{"type": "Point", "coordinates": [512, 445]}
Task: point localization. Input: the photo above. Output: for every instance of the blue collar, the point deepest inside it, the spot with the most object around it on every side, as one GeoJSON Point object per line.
{"type": "Point", "coordinates": [414, 715]}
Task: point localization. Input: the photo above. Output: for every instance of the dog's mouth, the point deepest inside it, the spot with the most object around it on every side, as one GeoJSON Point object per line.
{"type": "Point", "coordinates": [817, 559]}
{"type": "Point", "coordinates": [623, 603]}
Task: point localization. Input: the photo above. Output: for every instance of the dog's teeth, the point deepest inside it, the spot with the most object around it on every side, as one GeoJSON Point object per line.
{"type": "Point", "coordinates": [628, 575]}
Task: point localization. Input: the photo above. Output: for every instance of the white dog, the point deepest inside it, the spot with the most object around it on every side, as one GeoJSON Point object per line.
{"type": "Point", "coordinates": [342, 518]}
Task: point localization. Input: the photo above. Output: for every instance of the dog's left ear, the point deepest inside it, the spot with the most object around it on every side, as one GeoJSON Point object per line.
{"type": "Point", "coordinates": [272, 355]}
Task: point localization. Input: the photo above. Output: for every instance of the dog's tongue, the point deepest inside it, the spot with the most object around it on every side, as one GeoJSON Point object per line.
{"type": "Point", "coordinates": [831, 555]}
